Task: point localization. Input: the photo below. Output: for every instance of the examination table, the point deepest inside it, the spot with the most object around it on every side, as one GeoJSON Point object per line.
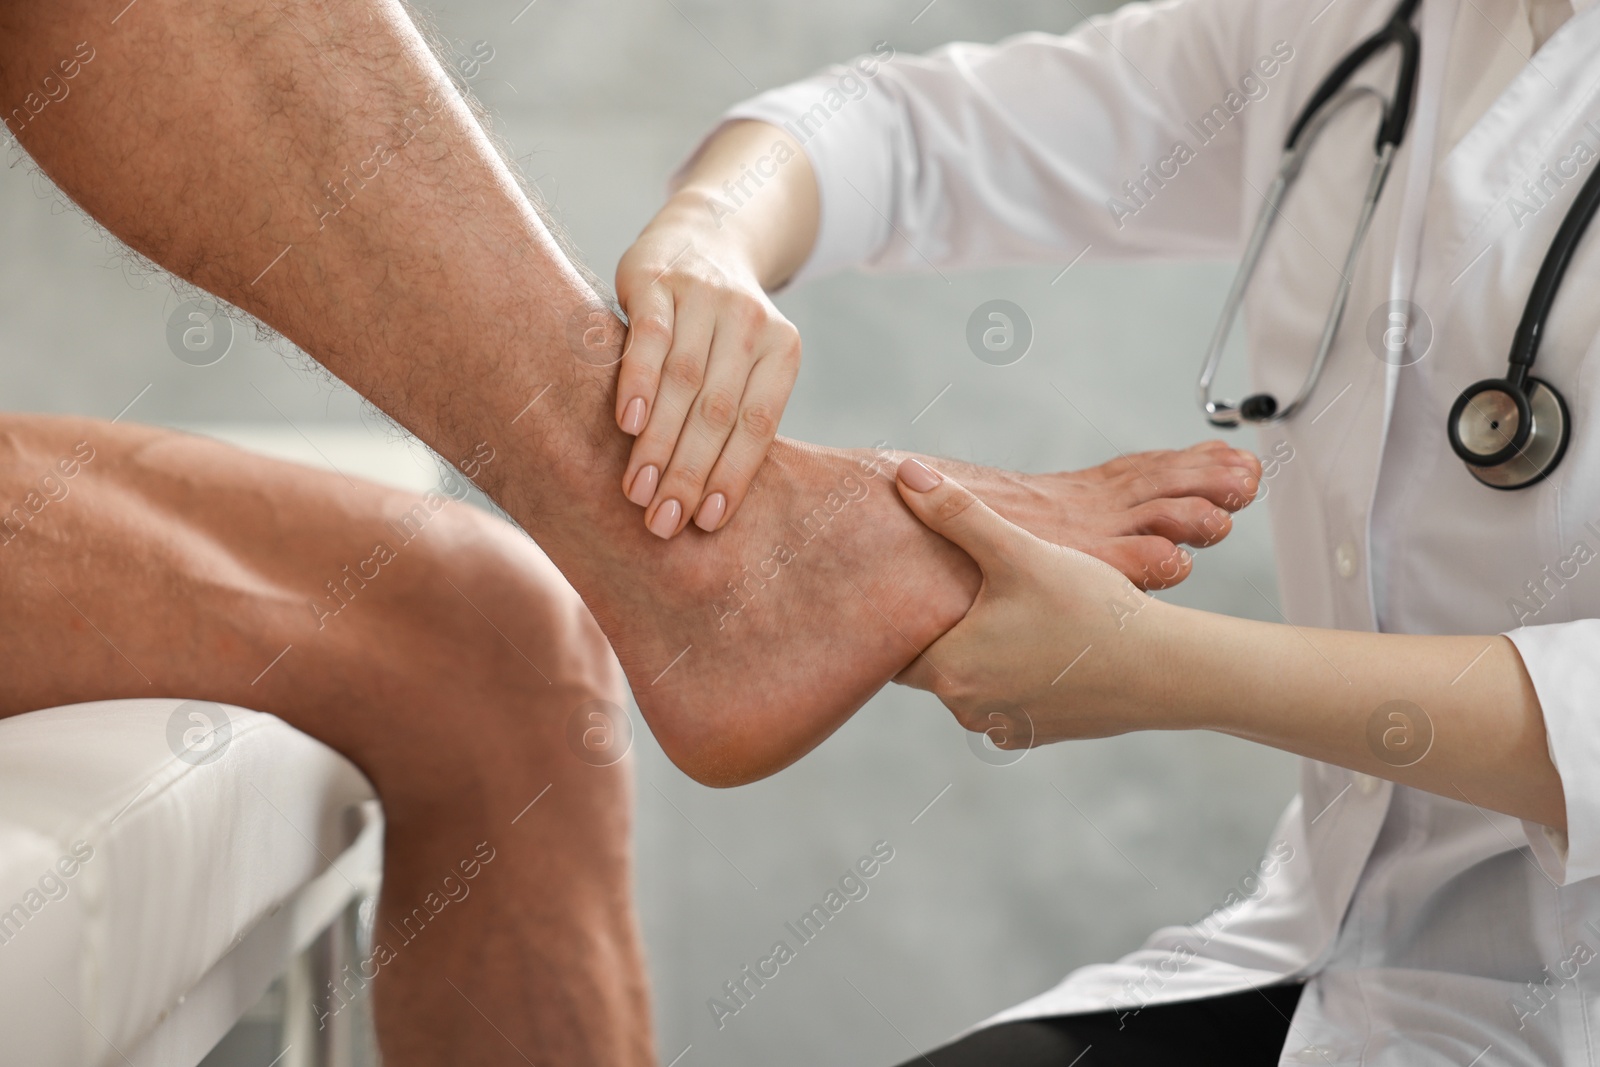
{"type": "Point", "coordinates": [149, 895]}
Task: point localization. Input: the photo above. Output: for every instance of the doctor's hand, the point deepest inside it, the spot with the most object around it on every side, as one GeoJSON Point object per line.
{"type": "Point", "coordinates": [706, 371]}
{"type": "Point", "coordinates": [709, 361]}
{"type": "Point", "coordinates": [1057, 644]}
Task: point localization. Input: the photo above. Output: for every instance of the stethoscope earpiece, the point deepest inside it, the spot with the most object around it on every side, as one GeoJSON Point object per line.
{"type": "Point", "coordinates": [1509, 436]}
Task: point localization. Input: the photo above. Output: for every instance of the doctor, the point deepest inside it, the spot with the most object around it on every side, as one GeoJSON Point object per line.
{"type": "Point", "coordinates": [1431, 896]}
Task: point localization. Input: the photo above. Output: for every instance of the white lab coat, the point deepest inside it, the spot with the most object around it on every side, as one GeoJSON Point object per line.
{"type": "Point", "coordinates": [1430, 930]}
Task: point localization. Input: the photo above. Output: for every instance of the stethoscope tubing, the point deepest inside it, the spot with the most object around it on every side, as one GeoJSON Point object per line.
{"type": "Point", "coordinates": [1398, 32]}
{"type": "Point", "coordinates": [1547, 284]}
{"type": "Point", "coordinates": [1332, 95]}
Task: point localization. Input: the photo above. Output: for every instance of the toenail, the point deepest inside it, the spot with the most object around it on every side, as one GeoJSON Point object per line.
{"type": "Point", "coordinates": [1217, 525]}
{"type": "Point", "coordinates": [643, 489]}
{"type": "Point", "coordinates": [665, 523]}
{"type": "Point", "coordinates": [710, 513]}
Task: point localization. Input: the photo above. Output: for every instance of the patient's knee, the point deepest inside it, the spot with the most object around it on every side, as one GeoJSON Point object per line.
{"type": "Point", "coordinates": [513, 606]}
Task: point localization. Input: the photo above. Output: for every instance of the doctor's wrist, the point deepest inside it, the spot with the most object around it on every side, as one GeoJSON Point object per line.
{"type": "Point", "coordinates": [1140, 671]}
{"type": "Point", "coordinates": [698, 218]}
{"type": "Point", "coordinates": [1186, 682]}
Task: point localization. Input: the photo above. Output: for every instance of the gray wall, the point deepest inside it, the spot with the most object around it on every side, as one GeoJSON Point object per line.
{"type": "Point", "coordinates": [1017, 874]}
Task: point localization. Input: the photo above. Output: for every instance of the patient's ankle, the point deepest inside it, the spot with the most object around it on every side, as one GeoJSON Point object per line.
{"type": "Point", "coordinates": [555, 423]}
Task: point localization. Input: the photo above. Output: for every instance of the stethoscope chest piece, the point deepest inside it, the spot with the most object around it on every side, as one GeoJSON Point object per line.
{"type": "Point", "coordinates": [1510, 436]}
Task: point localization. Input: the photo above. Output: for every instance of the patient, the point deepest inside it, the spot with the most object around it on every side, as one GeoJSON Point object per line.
{"type": "Point", "coordinates": [205, 137]}
{"type": "Point", "coordinates": [450, 668]}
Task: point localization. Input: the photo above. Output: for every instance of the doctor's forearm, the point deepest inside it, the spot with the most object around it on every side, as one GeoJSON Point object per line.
{"type": "Point", "coordinates": [752, 192]}
{"type": "Point", "coordinates": [1456, 716]}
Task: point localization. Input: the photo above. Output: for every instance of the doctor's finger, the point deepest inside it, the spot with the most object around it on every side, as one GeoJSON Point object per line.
{"type": "Point", "coordinates": [650, 319]}
{"type": "Point", "coordinates": [710, 422]}
{"type": "Point", "coordinates": [681, 376]}
{"type": "Point", "coordinates": [760, 410]}
{"type": "Point", "coordinates": [951, 510]}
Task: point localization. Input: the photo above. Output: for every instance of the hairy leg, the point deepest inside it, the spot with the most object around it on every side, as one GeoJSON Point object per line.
{"type": "Point", "coordinates": [309, 161]}
{"type": "Point", "coordinates": [448, 667]}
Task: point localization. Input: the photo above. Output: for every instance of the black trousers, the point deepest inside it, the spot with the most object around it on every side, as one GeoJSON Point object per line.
{"type": "Point", "coordinates": [1239, 1030]}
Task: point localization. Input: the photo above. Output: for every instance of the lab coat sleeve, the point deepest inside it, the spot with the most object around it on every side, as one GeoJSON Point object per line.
{"type": "Point", "coordinates": [1122, 138]}
{"type": "Point", "coordinates": [1563, 662]}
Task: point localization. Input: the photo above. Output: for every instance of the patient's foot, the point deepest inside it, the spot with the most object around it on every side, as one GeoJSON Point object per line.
{"type": "Point", "coordinates": [746, 648]}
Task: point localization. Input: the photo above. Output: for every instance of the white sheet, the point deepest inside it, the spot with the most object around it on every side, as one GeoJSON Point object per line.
{"type": "Point", "coordinates": [175, 863]}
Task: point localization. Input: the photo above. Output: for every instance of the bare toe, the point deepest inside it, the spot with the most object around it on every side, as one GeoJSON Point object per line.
{"type": "Point", "coordinates": [1149, 562]}
{"type": "Point", "coordinates": [1185, 521]}
{"type": "Point", "coordinates": [1225, 486]}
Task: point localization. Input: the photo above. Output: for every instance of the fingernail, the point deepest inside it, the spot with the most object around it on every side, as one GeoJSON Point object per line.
{"type": "Point", "coordinates": [710, 513]}
{"type": "Point", "coordinates": [665, 524]}
{"type": "Point", "coordinates": [643, 489]}
{"type": "Point", "coordinates": [919, 476]}
{"type": "Point", "coordinates": [633, 417]}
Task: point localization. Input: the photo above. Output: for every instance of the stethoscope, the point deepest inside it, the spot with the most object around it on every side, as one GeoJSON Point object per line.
{"type": "Point", "coordinates": [1512, 431]}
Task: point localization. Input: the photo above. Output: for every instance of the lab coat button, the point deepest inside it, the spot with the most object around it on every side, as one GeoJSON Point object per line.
{"type": "Point", "coordinates": [1344, 558]}
{"type": "Point", "coordinates": [1366, 784]}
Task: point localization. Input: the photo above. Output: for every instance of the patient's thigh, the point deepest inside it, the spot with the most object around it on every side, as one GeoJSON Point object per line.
{"type": "Point", "coordinates": [141, 562]}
